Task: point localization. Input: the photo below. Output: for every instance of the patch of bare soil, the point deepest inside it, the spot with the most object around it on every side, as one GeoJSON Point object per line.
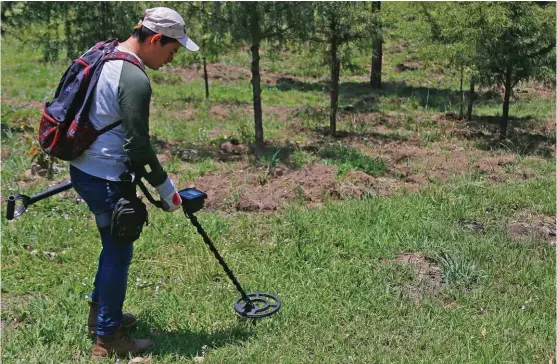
{"type": "Point", "coordinates": [228, 73]}
{"type": "Point", "coordinates": [5, 153]}
{"type": "Point", "coordinates": [243, 191]}
{"type": "Point", "coordinates": [28, 104]}
{"type": "Point", "coordinates": [538, 91]}
{"type": "Point", "coordinates": [415, 164]}
{"type": "Point", "coordinates": [255, 190]}
{"type": "Point", "coordinates": [217, 186]}
{"type": "Point", "coordinates": [216, 132]}
{"type": "Point", "coordinates": [410, 166]}
{"type": "Point", "coordinates": [215, 71]}
{"type": "Point", "coordinates": [359, 184]}
{"type": "Point", "coordinates": [428, 278]}
{"type": "Point", "coordinates": [184, 114]}
{"type": "Point", "coordinates": [219, 111]}
{"type": "Point", "coordinates": [529, 224]}
{"type": "Point", "coordinates": [280, 112]}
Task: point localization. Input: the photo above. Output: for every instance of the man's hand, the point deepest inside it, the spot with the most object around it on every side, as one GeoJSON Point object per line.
{"type": "Point", "coordinates": [170, 198]}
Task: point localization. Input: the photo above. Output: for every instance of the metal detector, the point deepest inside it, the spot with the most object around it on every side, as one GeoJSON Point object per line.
{"type": "Point", "coordinates": [250, 305]}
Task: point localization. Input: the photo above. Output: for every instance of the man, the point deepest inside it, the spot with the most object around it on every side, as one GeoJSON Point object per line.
{"type": "Point", "coordinates": [123, 93]}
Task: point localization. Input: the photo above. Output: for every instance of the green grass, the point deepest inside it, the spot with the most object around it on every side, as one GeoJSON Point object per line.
{"type": "Point", "coordinates": [351, 160]}
{"type": "Point", "coordinates": [345, 297]}
{"type": "Point", "coordinates": [328, 266]}
{"type": "Point", "coordinates": [457, 271]}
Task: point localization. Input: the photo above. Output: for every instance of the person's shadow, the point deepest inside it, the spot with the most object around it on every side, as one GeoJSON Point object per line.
{"type": "Point", "coordinates": [193, 343]}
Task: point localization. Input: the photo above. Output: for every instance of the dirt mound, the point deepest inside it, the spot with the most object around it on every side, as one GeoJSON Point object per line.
{"type": "Point", "coordinates": [428, 278]}
{"type": "Point", "coordinates": [491, 165]}
{"type": "Point", "coordinates": [529, 224]}
{"type": "Point", "coordinates": [219, 112]}
{"type": "Point", "coordinates": [254, 189]}
{"type": "Point", "coordinates": [233, 147]}
{"type": "Point", "coordinates": [309, 185]}
{"type": "Point", "coordinates": [243, 189]}
{"type": "Point", "coordinates": [359, 184]}
{"type": "Point", "coordinates": [417, 165]}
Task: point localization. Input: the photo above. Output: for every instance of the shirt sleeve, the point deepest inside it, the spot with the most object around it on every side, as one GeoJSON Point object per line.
{"type": "Point", "coordinates": [134, 97]}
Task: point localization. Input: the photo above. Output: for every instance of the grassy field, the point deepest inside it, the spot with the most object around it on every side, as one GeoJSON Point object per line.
{"type": "Point", "coordinates": [410, 238]}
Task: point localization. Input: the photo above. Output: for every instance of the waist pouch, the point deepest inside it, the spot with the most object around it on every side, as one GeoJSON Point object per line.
{"type": "Point", "coordinates": [128, 217]}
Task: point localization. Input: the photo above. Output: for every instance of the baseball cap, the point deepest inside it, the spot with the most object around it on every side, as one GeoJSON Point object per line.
{"type": "Point", "coordinates": [169, 23]}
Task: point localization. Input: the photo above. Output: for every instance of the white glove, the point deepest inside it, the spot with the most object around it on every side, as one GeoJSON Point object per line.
{"type": "Point", "coordinates": [171, 200]}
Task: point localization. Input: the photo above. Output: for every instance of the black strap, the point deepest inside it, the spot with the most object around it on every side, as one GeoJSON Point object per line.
{"type": "Point", "coordinates": [110, 127]}
{"type": "Point", "coordinates": [147, 193]}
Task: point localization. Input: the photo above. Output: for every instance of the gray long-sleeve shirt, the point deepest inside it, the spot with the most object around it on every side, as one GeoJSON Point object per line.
{"type": "Point", "coordinates": [123, 93]}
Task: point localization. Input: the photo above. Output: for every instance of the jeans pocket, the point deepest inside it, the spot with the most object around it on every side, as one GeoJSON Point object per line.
{"type": "Point", "coordinates": [99, 194]}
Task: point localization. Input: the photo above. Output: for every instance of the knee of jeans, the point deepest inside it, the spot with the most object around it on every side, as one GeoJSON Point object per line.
{"type": "Point", "coordinates": [103, 221]}
{"type": "Point", "coordinates": [117, 255]}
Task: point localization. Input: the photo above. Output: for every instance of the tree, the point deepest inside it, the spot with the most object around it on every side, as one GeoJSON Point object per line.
{"type": "Point", "coordinates": [454, 27]}
{"type": "Point", "coordinates": [335, 25]}
{"type": "Point", "coordinates": [497, 43]}
{"type": "Point", "coordinates": [211, 28]}
{"type": "Point", "coordinates": [517, 44]}
{"type": "Point", "coordinates": [254, 22]}
{"type": "Point", "coordinates": [377, 57]}
{"type": "Point", "coordinates": [84, 24]}
{"type": "Point", "coordinates": [9, 11]}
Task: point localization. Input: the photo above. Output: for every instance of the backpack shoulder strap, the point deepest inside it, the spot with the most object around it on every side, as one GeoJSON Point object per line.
{"type": "Point", "coordinates": [124, 56]}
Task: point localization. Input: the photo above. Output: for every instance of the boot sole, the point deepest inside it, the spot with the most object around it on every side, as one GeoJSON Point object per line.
{"type": "Point", "coordinates": [115, 354]}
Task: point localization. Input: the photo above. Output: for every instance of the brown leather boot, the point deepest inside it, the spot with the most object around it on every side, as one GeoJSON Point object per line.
{"type": "Point", "coordinates": [128, 320]}
{"type": "Point", "coordinates": [119, 344]}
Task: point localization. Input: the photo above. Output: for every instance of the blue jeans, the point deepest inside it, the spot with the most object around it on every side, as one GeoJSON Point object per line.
{"type": "Point", "coordinates": [112, 275]}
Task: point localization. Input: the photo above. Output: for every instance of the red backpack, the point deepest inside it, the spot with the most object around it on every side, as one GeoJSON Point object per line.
{"type": "Point", "coordinates": [65, 130]}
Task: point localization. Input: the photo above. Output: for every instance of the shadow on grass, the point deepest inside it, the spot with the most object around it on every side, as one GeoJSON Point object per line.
{"type": "Point", "coordinates": [519, 140]}
{"type": "Point", "coordinates": [277, 152]}
{"type": "Point", "coordinates": [323, 132]}
{"type": "Point", "coordinates": [523, 144]}
{"type": "Point", "coordinates": [192, 343]}
{"type": "Point", "coordinates": [361, 97]}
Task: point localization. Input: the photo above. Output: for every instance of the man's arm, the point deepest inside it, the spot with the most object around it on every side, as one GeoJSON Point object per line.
{"type": "Point", "coordinates": [134, 97]}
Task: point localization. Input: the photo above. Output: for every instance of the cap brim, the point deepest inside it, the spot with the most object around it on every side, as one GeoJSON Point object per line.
{"type": "Point", "coordinates": [188, 43]}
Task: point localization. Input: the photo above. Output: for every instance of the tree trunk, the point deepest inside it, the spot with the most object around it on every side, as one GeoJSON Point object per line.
{"type": "Point", "coordinates": [256, 78]}
{"type": "Point", "coordinates": [4, 9]}
{"type": "Point", "coordinates": [47, 49]}
{"type": "Point", "coordinates": [471, 97]}
{"type": "Point", "coordinates": [508, 89]}
{"type": "Point", "coordinates": [105, 14]}
{"type": "Point", "coordinates": [205, 74]}
{"type": "Point", "coordinates": [461, 110]}
{"type": "Point", "coordinates": [377, 57]}
{"type": "Point", "coordinates": [335, 73]}
{"type": "Point", "coordinates": [206, 77]}
{"type": "Point", "coordinates": [69, 43]}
